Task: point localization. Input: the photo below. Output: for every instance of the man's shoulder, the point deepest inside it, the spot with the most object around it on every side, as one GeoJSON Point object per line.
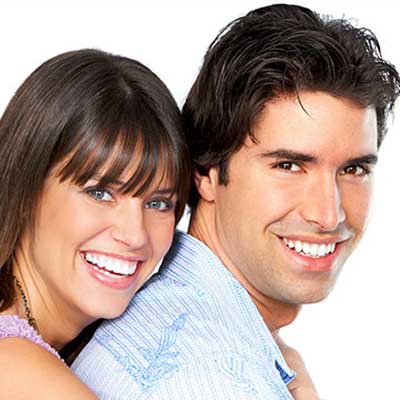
{"type": "Point", "coordinates": [193, 294]}
{"type": "Point", "coordinates": [191, 323]}
{"type": "Point", "coordinates": [188, 274]}
{"type": "Point", "coordinates": [183, 352]}
{"type": "Point", "coordinates": [193, 354]}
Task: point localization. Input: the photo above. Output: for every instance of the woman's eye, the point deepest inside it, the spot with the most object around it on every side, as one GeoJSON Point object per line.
{"type": "Point", "coordinates": [160, 204]}
{"type": "Point", "coordinates": [288, 166]}
{"type": "Point", "coordinates": [99, 194]}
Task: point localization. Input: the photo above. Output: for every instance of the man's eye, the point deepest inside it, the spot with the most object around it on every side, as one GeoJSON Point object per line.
{"type": "Point", "coordinates": [100, 194]}
{"type": "Point", "coordinates": [355, 170]}
{"type": "Point", "coordinates": [288, 166]}
{"type": "Point", "coordinates": [160, 204]}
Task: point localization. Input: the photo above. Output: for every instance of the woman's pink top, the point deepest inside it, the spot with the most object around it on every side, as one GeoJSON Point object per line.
{"type": "Point", "coordinates": [14, 326]}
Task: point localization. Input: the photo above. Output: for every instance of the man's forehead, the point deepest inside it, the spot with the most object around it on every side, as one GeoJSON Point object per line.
{"type": "Point", "coordinates": [292, 117]}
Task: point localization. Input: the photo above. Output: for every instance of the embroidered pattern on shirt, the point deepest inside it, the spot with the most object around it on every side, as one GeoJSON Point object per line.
{"type": "Point", "coordinates": [161, 362]}
{"type": "Point", "coordinates": [233, 368]}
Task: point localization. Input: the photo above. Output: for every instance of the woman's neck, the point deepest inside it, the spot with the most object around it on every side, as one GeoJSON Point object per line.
{"type": "Point", "coordinates": [53, 320]}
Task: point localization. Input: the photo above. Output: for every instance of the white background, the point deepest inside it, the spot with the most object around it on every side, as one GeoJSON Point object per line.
{"type": "Point", "coordinates": [350, 341]}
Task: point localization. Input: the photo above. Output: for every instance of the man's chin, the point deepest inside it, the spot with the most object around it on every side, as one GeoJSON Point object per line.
{"type": "Point", "coordinates": [308, 296]}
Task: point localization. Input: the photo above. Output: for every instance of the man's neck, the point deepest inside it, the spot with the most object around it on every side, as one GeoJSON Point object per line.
{"type": "Point", "coordinates": [275, 313]}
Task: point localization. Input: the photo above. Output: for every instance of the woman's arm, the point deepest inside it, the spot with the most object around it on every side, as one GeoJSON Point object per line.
{"type": "Point", "coordinates": [30, 371]}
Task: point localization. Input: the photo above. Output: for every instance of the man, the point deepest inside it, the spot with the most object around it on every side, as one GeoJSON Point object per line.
{"type": "Point", "coordinates": [284, 123]}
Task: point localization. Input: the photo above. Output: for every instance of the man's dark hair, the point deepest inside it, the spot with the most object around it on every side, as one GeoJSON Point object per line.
{"type": "Point", "coordinates": [274, 51]}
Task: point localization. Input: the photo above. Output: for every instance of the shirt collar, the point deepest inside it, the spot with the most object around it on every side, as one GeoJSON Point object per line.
{"type": "Point", "coordinates": [201, 253]}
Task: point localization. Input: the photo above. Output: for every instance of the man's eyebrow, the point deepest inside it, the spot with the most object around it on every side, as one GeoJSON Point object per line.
{"type": "Point", "coordinates": [296, 156]}
{"type": "Point", "coordinates": [367, 159]}
{"type": "Point", "coordinates": [289, 155]}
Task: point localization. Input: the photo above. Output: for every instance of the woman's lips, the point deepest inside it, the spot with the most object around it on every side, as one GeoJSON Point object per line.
{"type": "Point", "coordinates": [111, 271]}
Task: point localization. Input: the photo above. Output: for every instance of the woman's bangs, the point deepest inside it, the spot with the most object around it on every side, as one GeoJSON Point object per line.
{"type": "Point", "coordinates": [152, 162]}
{"type": "Point", "coordinates": [131, 159]}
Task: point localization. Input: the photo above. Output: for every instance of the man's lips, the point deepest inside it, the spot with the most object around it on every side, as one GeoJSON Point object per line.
{"type": "Point", "coordinates": [311, 248]}
{"type": "Point", "coordinates": [313, 255]}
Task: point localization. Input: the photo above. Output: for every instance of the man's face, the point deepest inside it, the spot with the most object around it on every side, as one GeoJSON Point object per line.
{"type": "Point", "coordinates": [297, 201]}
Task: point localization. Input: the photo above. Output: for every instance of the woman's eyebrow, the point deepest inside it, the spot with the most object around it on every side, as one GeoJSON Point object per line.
{"type": "Point", "coordinates": [99, 178]}
{"type": "Point", "coordinates": [165, 191]}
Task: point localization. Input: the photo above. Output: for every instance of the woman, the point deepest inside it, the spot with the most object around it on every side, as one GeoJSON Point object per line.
{"type": "Point", "coordinates": [94, 177]}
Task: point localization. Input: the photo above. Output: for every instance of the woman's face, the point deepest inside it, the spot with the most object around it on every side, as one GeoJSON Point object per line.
{"type": "Point", "coordinates": [92, 248]}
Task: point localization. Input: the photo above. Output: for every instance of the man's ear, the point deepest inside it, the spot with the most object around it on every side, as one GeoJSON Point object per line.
{"type": "Point", "coordinates": [207, 184]}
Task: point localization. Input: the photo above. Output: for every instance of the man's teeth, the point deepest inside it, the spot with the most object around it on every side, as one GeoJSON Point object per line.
{"type": "Point", "coordinates": [314, 250]}
{"type": "Point", "coordinates": [111, 264]}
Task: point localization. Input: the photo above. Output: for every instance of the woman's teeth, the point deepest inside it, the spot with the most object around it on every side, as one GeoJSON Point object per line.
{"type": "Point", "coordinates": [313, 250]}
{"type": "Point", "coordinates": [110, 264]}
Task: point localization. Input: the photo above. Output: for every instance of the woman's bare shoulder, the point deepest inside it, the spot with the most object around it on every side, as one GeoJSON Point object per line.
{"type": "Point", "coordinates": [30, 371]}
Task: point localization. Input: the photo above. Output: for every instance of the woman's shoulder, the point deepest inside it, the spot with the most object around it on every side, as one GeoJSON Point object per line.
{"type": "Point", "coordinates": [20, 350]}
{"type": "Point", "coordinates": [14, 326]}
{"type": "Point", "coordinates": [30, 371]}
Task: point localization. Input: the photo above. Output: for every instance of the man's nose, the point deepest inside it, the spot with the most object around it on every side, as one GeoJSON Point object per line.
{"type": "Point", "coordinates": [322, 203]}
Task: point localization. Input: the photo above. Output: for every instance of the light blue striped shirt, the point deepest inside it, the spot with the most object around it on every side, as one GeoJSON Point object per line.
{"type": "Point", "coordinates": [193, 332]}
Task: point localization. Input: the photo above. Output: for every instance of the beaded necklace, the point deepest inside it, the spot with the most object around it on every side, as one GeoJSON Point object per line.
{"type": "Point", "coordinates": [28, 312]}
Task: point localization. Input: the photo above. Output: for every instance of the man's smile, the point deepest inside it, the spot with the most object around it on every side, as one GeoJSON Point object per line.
{"type": "Point", "coordinates": [313, 255]}
{"type": "Point", "coordinates": [313, 250]}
